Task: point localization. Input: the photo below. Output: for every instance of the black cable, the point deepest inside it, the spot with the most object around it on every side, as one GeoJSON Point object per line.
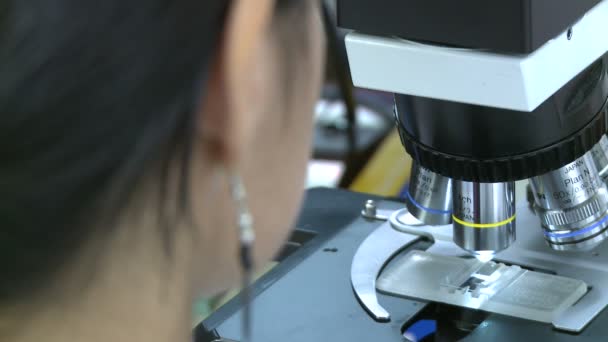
{"type": "Point", "coordinates": [246, 268]}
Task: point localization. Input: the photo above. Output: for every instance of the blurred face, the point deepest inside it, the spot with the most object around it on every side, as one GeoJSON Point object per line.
{"type": "Point", "coordinates": [255, 121]}
{"type": "Point", "coordinates": [269, 132]}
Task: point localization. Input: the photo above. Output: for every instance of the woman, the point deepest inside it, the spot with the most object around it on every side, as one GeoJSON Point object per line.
{"type": "Point", "coordinates": [126, 128]}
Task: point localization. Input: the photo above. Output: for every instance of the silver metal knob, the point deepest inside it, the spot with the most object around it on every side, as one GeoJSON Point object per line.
{"type": "Point", "coordinates": [429, 196]}
{"type": "Point", "coordinates": [572, 204]}
{"type": "Point", "coordinates": [484, 217]}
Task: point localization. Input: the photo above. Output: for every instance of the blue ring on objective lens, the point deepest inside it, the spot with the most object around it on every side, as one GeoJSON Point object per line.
{"type": "Point", "coordinates": [578, 232]}
{"type": "Point", "coordinates": [420, 206]}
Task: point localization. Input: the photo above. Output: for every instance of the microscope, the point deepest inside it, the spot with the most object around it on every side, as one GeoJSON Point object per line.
{"type": "Point", "coordinates": [488, 94]}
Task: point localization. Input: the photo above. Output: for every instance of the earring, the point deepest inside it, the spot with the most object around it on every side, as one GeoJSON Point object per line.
{"type": "Point", "coordinates": [246, 240]}
{"type": "Point", "coordinates": [244, 218]}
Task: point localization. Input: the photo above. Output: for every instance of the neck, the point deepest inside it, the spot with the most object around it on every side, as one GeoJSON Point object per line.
{"type": "Point", "coordinates": [133, 295]}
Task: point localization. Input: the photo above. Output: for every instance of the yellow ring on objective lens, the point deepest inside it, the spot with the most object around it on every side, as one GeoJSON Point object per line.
{"type": "Point", "coordinates": [483, 225]}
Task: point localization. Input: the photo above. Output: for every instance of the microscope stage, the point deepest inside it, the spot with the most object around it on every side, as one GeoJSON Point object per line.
{"type": "Point", "coordinates": [309, 296]}
{"type": "Point", "coordinates": [491, 287]}
{"type": "Point", "coordinates": [574, 271]}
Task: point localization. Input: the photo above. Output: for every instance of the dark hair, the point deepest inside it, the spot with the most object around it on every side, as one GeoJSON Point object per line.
{"type": "Point", "coordinates": [93, 94]}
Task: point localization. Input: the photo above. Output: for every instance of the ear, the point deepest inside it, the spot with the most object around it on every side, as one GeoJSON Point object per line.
{"type": "Point", "coordinates": [226, 124]}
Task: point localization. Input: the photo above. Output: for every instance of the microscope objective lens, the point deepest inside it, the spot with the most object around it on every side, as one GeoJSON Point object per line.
{"type": "Point", "coordinates": [429, 196]}
{"type": "Point", "coordinates": [484, 217]}
{"type": "Point", "coordinates": [572, 204]}
{"type": "Point", "coordinates": [599, 152]}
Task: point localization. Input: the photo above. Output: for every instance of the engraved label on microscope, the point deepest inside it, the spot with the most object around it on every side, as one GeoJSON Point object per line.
{"type": "Point", "coordinates": [424, 186]}
{"type": "Point", "coordinates": [575, 180]}
{"type": "Point", "coordinates": [425, 178]}
{"type": "Point", "coordinates": [468, 217]}
{"type": "Point", "coordinates": [560, 194]}
{"type": "Point", "coordinates": [577, 187]}
{"type": "Point", "coordinates": [464, 199]}
{"type": "Point", "coordinates": [573, 166]}
{"type": "Point", "coordinates": [463, 208]}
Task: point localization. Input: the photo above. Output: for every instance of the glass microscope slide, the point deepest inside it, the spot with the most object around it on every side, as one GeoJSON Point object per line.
{"type": "Point", "coordinates": [491, 286]}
